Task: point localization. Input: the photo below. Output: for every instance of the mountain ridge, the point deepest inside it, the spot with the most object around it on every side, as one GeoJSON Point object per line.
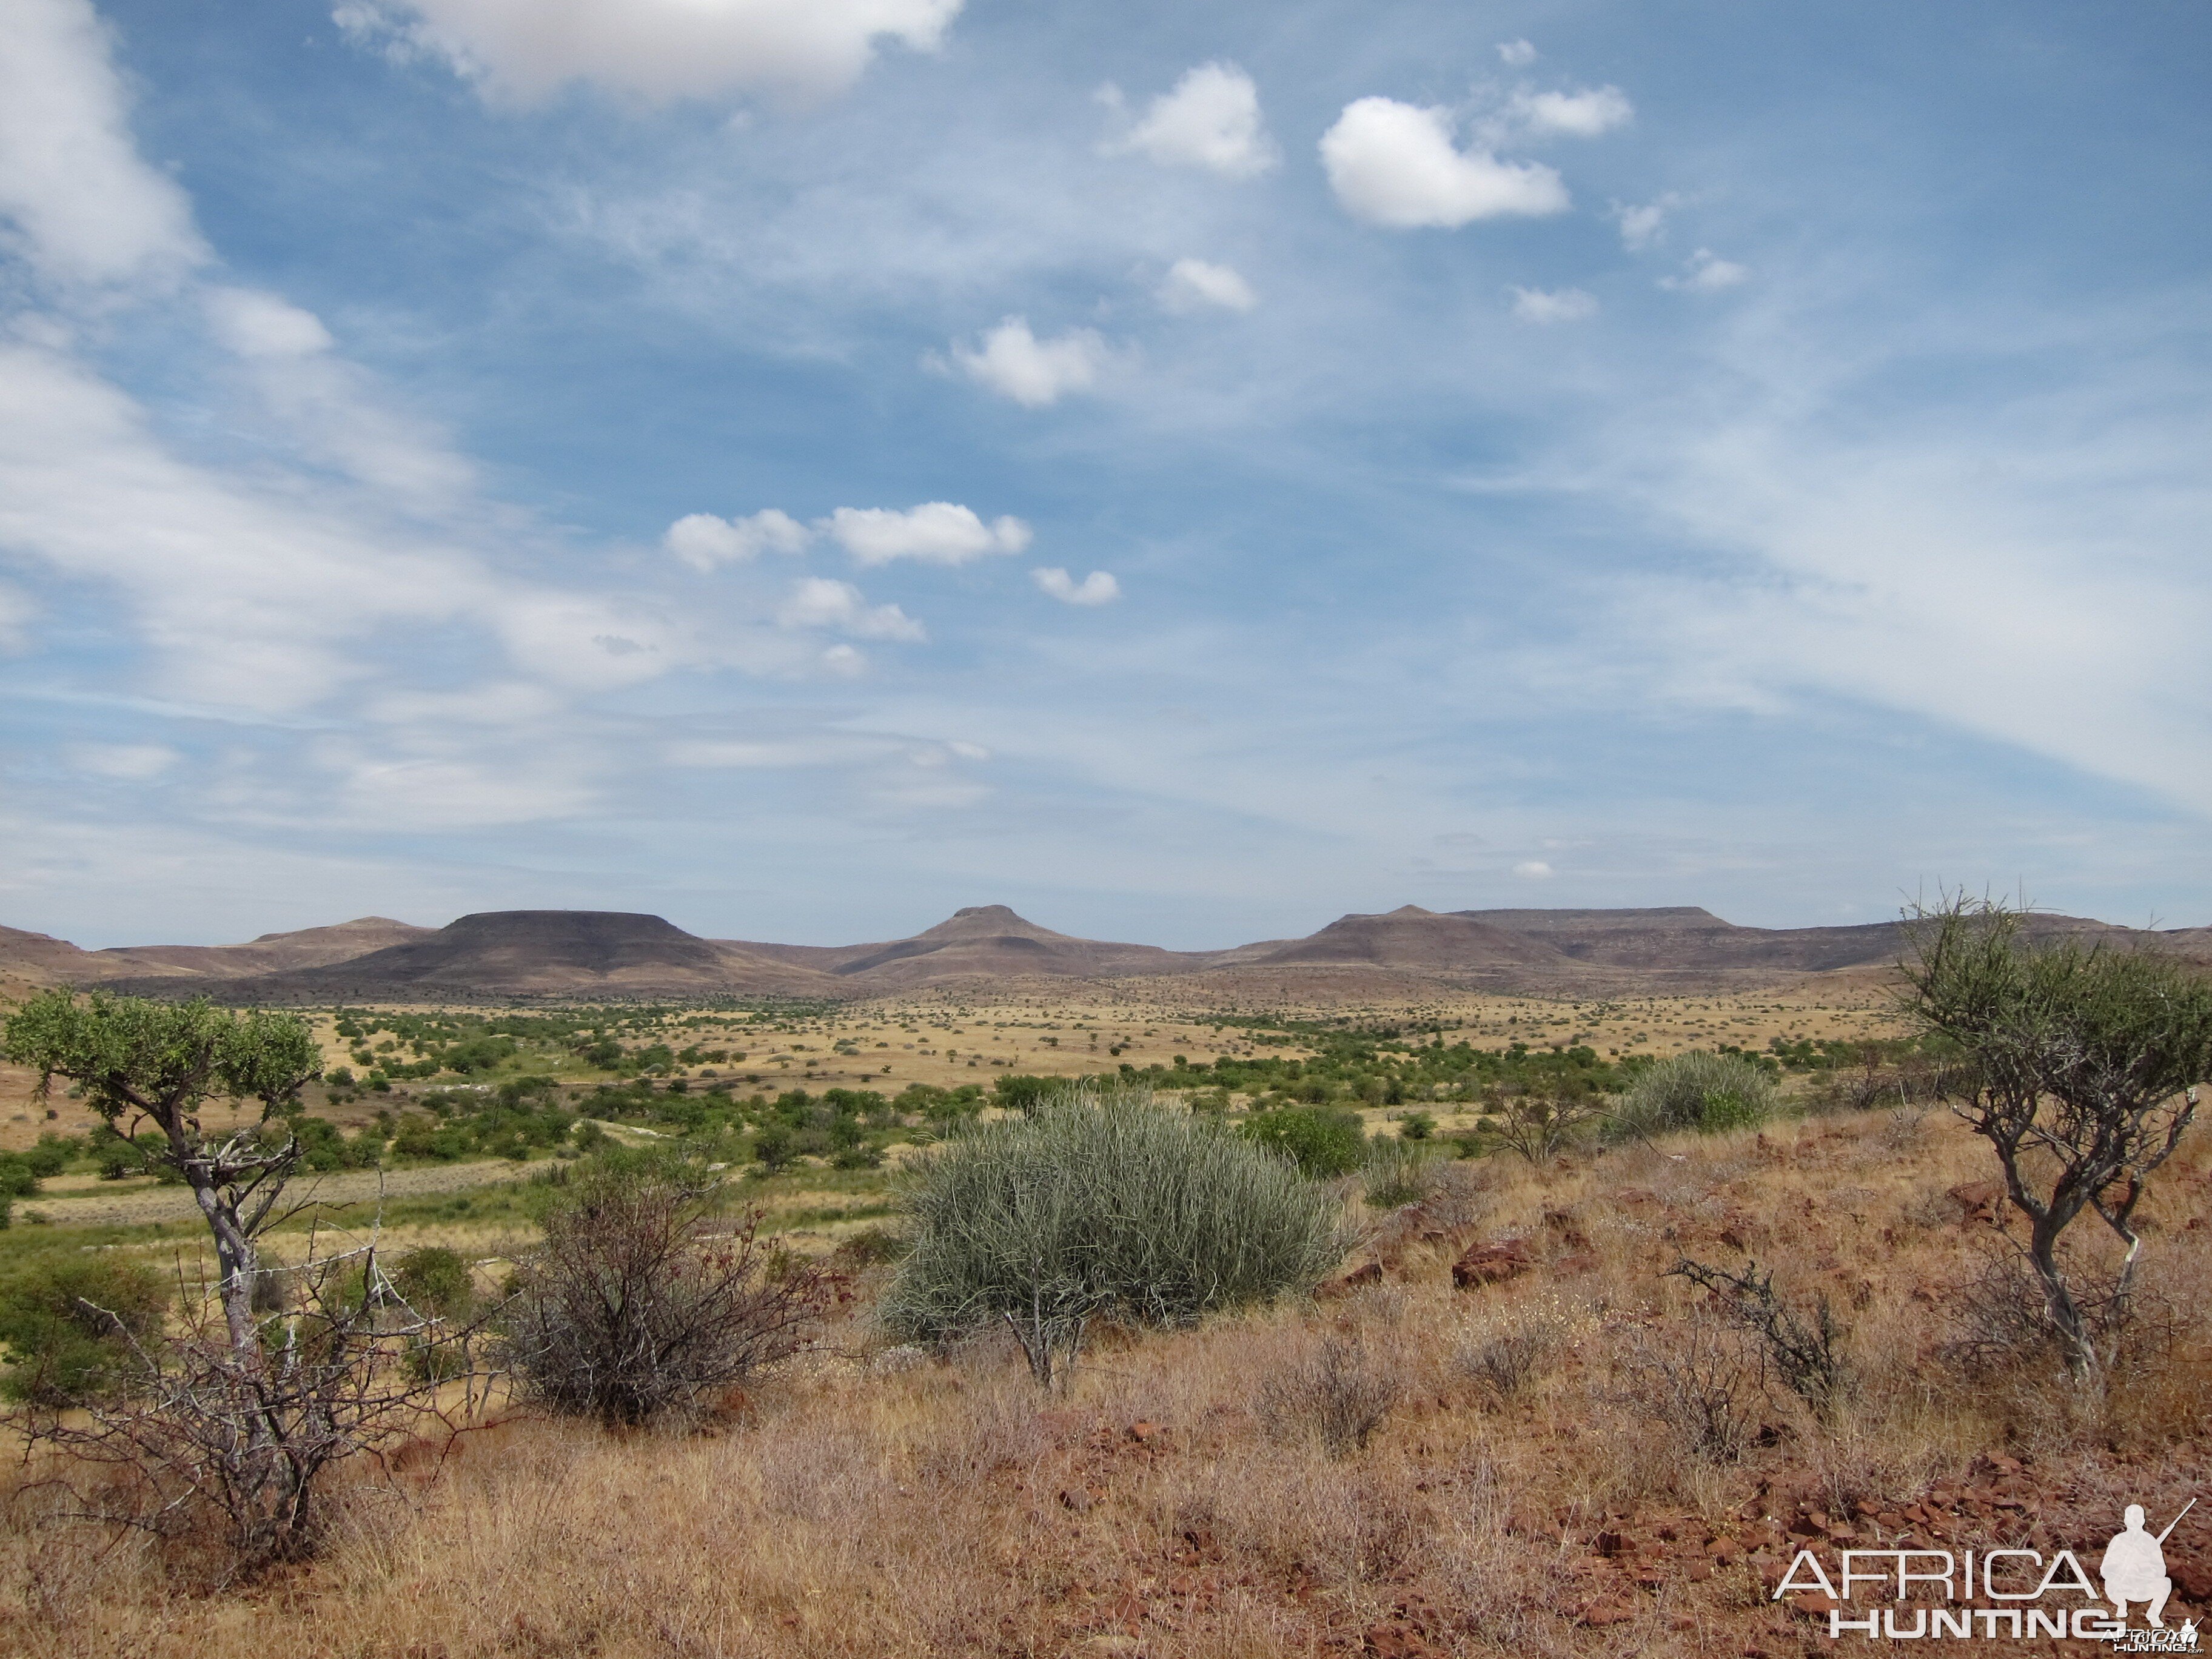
{"type": "Point", "coordinates": [574, 954]}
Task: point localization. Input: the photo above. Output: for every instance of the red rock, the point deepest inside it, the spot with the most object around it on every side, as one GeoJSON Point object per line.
{"type": "Point", "coordinates": [1978, 1200]}
{"type": "Point", "coordinates": [1493, 1263]}
{"type": "Point", "coordinates": [1608, 1610]}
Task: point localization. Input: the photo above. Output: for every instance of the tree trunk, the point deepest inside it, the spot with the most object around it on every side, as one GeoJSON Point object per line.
{"type": "Point", "coordinates": [2083, 1363]}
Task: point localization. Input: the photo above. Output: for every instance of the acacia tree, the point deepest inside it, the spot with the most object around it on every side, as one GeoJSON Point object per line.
{"type": "Point", "coordinates": [149, 1069]}
{"type": "Point", "coordinates": [237, 1415]}
{"type": "Point", "coordinates": [2085, 1063]}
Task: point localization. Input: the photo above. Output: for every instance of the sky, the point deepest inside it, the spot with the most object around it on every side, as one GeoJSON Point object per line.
{"type": "Point", "coordinates": [801, 467]}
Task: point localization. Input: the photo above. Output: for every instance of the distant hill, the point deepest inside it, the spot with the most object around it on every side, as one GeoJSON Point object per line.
{"type": "Point", "coordinates": [1411, 937]}
{"type": "Point", "coordinates": [272, 953]}
{"type": "Point", "coordinates": [590, 954]}
{"type": "Point", "coordinates": [538, 953]}
{"type": "Point", "coordinates": [983, 941]}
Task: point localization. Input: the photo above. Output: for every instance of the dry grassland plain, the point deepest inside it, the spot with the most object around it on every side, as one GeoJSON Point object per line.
{"type": "Point", "coordinates": [1573, 1456]}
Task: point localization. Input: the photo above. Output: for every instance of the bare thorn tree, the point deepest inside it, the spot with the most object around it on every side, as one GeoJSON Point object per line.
{"type": "Point", "coordinates": [1807, 1352]}
{"type": "Point", "coordinates": [639, 1305]}
{"type": "Point", "coordinates": [2085, 1061]}
{"type": "Point", "coordinates": [204, 1433]}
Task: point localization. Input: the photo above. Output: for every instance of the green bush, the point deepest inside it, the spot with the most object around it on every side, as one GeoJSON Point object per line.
{"type": "Point", "coordinates": [1398, 1172]}
{"type": "Point", "coordinates": [1321, 1140]}
{"type": "Point", "coordinates": [435, 1281]}
{"type": "Point", "coordinates": [1694, 1091]}
{"type": "Point", "coordinates": [61, 1350]}
{"type": "Point", "coordinates": [1101, 1204]}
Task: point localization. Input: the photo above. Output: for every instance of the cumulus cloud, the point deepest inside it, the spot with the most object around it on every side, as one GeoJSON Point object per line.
{"type": "Point", "coordinates": [1211, 119]}
{"type": "Point", "coordinates": [1564, 304]}
{"type": "Point", "coordinates": [820, 602]}
{"type": "Point", "coordinates": [1532, 869]}
{"type": "Point", "coordinates": [936, 533]}
{"type": "Point", "coordinates": [77, 201]}
{"type": "Point", "coordinates": [1706, 272]}
{"type": "Point", "coordinates": [1644, 223]}
{"type": "Point", "coordinates": [1518, 53]}
{"type": "Point", "coordinates": [1014, 363]}
{"type": "Point", "coordinates": [1099, 587]}
{"type": "Point", "coordinates": [1572, 114]}
{"type": "Point", "coordinates": [1396, 164]}
{"type": "Point", "coordinates": [703, 541]}
{"type": "Point", "coordinates": [521, 51]}
{"type": "Point", "coordinates": [1193, 284]}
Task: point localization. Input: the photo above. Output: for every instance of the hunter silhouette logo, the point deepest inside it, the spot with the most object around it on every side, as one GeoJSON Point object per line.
{"type": "Point", "coordinates": [2134, 1567]}
{"type": "Point", "coordinates": [2008, 1592]}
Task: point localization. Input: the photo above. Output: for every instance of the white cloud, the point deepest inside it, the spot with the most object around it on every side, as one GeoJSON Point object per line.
{"type": "Point", "coordinates": [1706, 272]}
{"type": "Point", "coordinates": [1564, 304]}
{"type": "Point", "coordinates": [1533, 869]}
{"type": "Point", "coordinates": [1014, 363]}
{"type": "Point", "coordinates": [703, 541]}
{"type": "Point", "coordinates": [588, 641]}
{"type": "Point", "coordinates": [15, 619]}
{"type": "Point", "coordinates": [125, 763]}
{"type": "Point", "coordinates": [524, 50]}
{"type": "Point", "coordinates": [1643, 224]}
{"type": "Point", "coordinates": [1192, 284]}
{"type": "Point", "coordinates": [820, 602]}
{"type": "Point", "coordinates": [412, 792]}
{"type": "Point", "coordinates": [844, 661]}
{"type": "Point", "coordinates": [1210, 120]}
{"type": "Point", "coordinates": [78, 201]}
{"type": "Point", "coordinates": [326, 407]}
{"type": "Point", "coordinates": [1572, 114]}
{"type": "Point", "coordinates": [496, 703]}
{"type": "Point", "coordinates": [256, 325]}
{"type": "Point", "coordinates": [1396, 164]}
{"type": "Point", "coordinates": [936, 533]}
{"type": "Point", "coordinates": [1518, 53]}
{"type": "Point", "coordinates": [1099, 587]}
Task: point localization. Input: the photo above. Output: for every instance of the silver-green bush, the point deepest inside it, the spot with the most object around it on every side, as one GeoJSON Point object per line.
{"type": "Point", "coordinates": [1101, 1204]}
{"type": "Point", "coordinates": [1695, 1090]}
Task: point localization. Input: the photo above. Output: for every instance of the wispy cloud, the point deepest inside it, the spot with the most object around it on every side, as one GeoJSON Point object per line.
{"type": "Point", "coordinates": [657, 49]}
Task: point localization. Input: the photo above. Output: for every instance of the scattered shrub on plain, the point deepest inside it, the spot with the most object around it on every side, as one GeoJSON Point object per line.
{"type": "Point", "coordinates": [1321, 1141]}
{"type": "Point", "coordinates": [1101, 1204]}
{"type": "Point", "coordinates": [1398, 1172]}
{"type": "Point", "coordinates": [1695, 1090]}
{"type": "Point", "coordinates": [638, 1305]}
{"type": "Point", "coordinates": [67, 1323]}
{"type": "Point", "coordinates": [1334, 1392]}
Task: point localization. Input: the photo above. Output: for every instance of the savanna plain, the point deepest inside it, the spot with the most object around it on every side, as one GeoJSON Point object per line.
{"type": "Point", "coordinates": [1545, 1386]}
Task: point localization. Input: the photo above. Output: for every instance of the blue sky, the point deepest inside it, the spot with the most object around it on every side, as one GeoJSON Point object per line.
{"type": "Point", "coordinates": [801, 466]}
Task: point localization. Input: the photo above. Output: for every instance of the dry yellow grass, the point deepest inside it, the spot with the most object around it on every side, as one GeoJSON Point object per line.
{"type": "Point", "coordinates": [872, 1503]}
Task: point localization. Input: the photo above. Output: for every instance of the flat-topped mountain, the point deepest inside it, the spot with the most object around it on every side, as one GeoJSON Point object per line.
{"type": "Point", "coordinates": [540, 953]}
{"type": "Point", "coordinates": [1412, 937]}
{"type": "Point", "coordinates": [587, 954]}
